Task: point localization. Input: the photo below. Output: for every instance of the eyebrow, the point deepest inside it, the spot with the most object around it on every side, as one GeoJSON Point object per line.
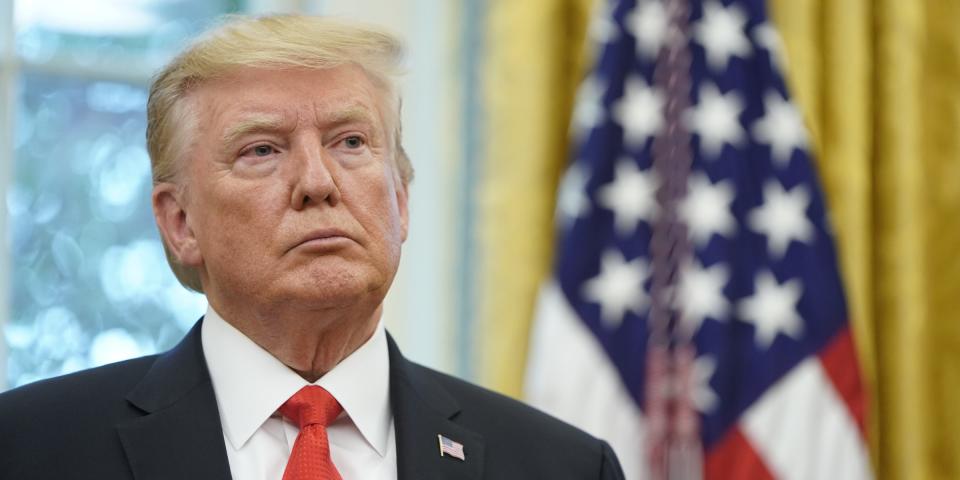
{"type": "Point", "coordinates": [274, 123]}
{"type": "Point", "coordinates": [351, 114]}
{"type": "Point", "coordinates": [261, 123]}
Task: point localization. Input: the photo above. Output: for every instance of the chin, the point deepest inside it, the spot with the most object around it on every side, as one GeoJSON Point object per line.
{"type": "Point", "coordinates": [334, 289]}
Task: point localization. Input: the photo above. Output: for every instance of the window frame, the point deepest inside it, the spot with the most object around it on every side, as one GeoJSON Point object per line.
{"type": "Point", "coordinates": [8, 75]}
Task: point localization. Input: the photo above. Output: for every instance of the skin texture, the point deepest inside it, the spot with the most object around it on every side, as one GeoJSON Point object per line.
{"type": "Point", "coordinates": [291, 208]}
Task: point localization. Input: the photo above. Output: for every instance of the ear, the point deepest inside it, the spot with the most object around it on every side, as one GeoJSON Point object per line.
{"type": "Point", "coordinates": [171, 217]}
{"type": "Point", "coordinates": [402, 206]}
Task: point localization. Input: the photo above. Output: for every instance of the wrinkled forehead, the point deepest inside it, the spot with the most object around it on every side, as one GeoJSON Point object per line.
{"type": "Point", "coordinates": [346, 87]}
{"type": "Point", "coordinates": [249, 119]}
{"type": "Point", "coordinates": [251, 98]}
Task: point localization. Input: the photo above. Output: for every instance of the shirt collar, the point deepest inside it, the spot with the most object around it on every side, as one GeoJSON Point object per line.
{"type": "Point", "coordinates": [251, 384]}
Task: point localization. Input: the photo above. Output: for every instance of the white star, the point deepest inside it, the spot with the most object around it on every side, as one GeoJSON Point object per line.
{"type": "Point", "coordinates": [618, 287]}
{"type": "Point", "coordinates": [639, 111]}
{"type": "Point", "coordinates": [572, 201]}
{"type": "Point", "coordinates": [721, 33]}
{"type": "Point", "coordinates": [782, 217]}
{"type": "Point", "coordinates": [766, 36]}
{"type": "Point", "coordinates": [702, 396]}
{"type": "Point", "coordinates": [588, 111]}
{"type": "Point", "coordinates": [700, 294]}
{"type": "Point", "coordinates": [706, 208]}
{"type": "Point", "coordinates": [631, 196]}
{"type": "Point", "coordinates": [715, 119]}
{"type": "Point", "coordinates": [602, 28]}
{"type": "Point", "coordinates": [648, 23]}
{"type": "Point", "coordinates": [781, 127]}
{"type": "Point", "coordinates": [772, 309]}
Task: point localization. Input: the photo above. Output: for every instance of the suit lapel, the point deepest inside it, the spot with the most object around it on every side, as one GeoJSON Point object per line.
{"type": "Point", "coordinates": [180, 434]}
{"type": "Point", "coordinates": [422, 410]}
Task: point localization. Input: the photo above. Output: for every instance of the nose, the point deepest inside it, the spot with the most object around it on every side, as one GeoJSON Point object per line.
{"type": "Point", "coordinates": [314, 180]}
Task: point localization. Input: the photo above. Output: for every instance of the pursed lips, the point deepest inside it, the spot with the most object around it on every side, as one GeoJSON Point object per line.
{"type": "Point", "coordinates": [324, 238]}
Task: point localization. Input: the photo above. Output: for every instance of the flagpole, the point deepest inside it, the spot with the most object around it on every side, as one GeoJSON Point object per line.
{"type": "Point", "coordinates": [676, 452]}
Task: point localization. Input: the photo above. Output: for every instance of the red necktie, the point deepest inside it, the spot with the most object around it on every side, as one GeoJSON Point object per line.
{"type": "Point", "coordinates": [313, 409]}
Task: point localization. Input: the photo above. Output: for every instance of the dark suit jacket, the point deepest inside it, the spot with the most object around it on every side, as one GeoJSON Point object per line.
{"type": "Point", "coordinates": [156, 417]}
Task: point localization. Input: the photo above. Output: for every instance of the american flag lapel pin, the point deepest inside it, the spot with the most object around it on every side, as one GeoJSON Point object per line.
{"type": "Point", "coordinates": [450, 448]}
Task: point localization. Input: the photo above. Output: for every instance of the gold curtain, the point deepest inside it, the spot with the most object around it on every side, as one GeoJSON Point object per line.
{"type": "Point", "coordinates": [879, 81]}
{"type": "Point", "coordinates": [530, 77]}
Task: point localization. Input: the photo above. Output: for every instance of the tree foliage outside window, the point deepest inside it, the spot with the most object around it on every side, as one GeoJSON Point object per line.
{"type": "Point", "coordinates": [89, 282]}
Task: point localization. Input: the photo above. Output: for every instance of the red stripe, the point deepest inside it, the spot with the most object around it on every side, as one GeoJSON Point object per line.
{"type": "Point", "coordinates": [839, 359]}
{"type": "Point", "coordinates": [733, 458]}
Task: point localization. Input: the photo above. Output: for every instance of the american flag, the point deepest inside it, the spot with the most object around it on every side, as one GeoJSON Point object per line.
{"type": "Point", "coordinates": [695, 317]}
{"type": "Point", "coordinates": [451, 448]}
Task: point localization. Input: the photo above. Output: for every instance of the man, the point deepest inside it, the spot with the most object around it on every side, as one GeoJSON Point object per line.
{"type": "Point", "coordinates": [280, 191]}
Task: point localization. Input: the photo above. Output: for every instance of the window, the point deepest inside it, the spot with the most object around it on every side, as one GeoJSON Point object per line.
{"type": "Point", "coordinates": [88, 280]}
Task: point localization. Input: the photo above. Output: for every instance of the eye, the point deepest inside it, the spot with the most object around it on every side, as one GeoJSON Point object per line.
{"type": "Point", "coordinates": [263, 150]}
{"type": "Point", "coordinates": [353, 141]}
{"type": "Point", "coordinates": [259, 152]}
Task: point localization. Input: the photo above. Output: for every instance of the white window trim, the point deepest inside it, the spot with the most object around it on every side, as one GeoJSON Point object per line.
{"type": "Point", "coordinates": [8, 74]}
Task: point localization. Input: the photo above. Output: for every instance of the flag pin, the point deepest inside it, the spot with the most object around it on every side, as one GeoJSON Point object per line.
{"type": "Point", "coordinates": [450, 448]}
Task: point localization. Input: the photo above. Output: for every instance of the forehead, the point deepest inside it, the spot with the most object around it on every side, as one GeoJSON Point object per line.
{"type": "Point", "coordinates": [265, 95]}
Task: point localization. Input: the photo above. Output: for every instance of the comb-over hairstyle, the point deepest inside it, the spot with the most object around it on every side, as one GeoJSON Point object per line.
{"type": "Point", "coordinates": [277, 41]}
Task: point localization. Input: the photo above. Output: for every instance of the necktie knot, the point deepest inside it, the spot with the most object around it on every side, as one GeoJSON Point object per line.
{"type": "Point", "coordinates": [311, 405]}
{"type": "Point", "coordinates": [312, 409]}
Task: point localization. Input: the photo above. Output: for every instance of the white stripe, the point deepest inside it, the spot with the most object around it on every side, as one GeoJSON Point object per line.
{"type": "Point", "coordinates": [570, 377]}
{"type": "Point", "coordinates": [802, 429]}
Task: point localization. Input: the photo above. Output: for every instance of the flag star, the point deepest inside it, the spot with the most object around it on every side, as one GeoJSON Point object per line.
{"type": "Point", "coordinates": [772, 309]}
{"type": "Point", "coordinates": [721, 33]}
{"type": "Point", "coordinates": [715, 118]}
{"type": "Point", "coordinates": [631, 196]}
{"type": "Point", "coordinates": [639, 111]}
{"type": "Point", "coordinates": [700, 295]}
{"type": "Point", "coordinates": [782, 217]}
{"type": "Point", "coordinates": [572, 201]}
{"type": "Point", "coordinates": [702, 396]}
{"type": "Point", "coordinates": [588, 111]}
{"type": "Point", "coordinates": [781, 127]}
{"type": "Point", "coordinates": [706, 208]}
{"type": "Point", "coordinates": [618, 287]}
{"type": "Point", "coordinates": [602, 28]}
{"type": "Point", "coordinates": [766, 36]}
{"type": "Point", "coordinates": [648, 23]}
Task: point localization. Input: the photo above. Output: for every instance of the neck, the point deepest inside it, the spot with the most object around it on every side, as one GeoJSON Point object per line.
{"type": "Point", "coordinates": [309, 342]}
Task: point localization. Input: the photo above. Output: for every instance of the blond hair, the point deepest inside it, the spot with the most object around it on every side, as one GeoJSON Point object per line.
{"type": "Point", "coordinates": [278, 41]}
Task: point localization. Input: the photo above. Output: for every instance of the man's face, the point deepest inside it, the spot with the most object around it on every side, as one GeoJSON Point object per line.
{"type": "Point", "coordinates": [292, 197]}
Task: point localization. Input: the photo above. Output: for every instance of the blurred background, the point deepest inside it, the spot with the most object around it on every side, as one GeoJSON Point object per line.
{"type": "Point", "coordinates": [488, 99]}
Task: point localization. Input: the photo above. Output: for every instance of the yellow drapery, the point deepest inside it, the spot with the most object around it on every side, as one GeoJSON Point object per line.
{"type": "Point", "coordinates": [529, 82]}
{"type": "Point", "coordinates": [879, 82]}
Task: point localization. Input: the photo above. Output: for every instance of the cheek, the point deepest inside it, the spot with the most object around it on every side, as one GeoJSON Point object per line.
{"type": "Point", "coordinates": [237, 218]}
{"type": "Point", "coordinates": [379, 205]}
{"type": "Point", "coordinates": [230, 219]}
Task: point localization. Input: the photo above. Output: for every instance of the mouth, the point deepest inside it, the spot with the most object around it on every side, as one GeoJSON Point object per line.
{"type": "Point", "coordinates": [324, 239]}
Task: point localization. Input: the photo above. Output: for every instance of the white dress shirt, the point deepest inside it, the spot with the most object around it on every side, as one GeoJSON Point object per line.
{"type": "Point", "coordinates": [250, 385]}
